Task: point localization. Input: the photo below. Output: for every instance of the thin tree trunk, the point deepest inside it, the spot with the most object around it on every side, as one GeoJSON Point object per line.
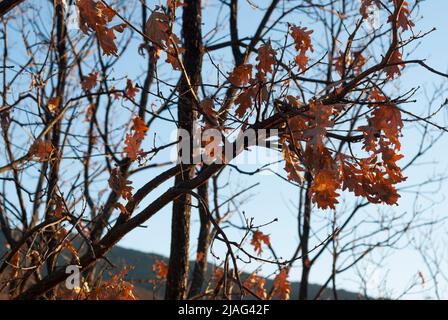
{"type": "Point", "coordinates": [180, 225]}
{"type": "Point", "coordinates": [306, 264]}
{"type": "Point", "coordinates": [53, 179]}
{"type": "Point", "coordinates": [200, 267]}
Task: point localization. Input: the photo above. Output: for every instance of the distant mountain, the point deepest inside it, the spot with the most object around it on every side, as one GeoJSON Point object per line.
{"type": "Point", "coordinates": [142, 274]}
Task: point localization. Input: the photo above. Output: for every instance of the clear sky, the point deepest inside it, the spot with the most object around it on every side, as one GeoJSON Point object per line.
{"type": "Point", "coordinates": [275, 199]}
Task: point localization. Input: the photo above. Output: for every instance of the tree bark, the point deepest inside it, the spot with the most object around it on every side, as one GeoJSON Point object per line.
{"type": "Point", "coordinates": [200, 267]}
{"type": "Point", "coordinates": [306, 263]}
{"type": "Point", "coordinates": [8, 5]}
{"type": "Point", "coordinates": [61, 32]}
{"type": "Point", "coordinates": [180, 224]}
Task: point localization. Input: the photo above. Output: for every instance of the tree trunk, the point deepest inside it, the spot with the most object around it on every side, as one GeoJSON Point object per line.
{"type": "Point", "coordinates": [180, 224]}
{"type": "Point", "coordinates": [200, 267]}
{"type": "Point", "coordinates": [306, 264]}
{"type": "Point", "coordinates": [61, 32]}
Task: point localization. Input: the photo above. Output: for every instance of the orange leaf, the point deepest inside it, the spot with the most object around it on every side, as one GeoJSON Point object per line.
{"type": "Point", "coordinates": [41, 150]}
{"type": "Point", "coordinates": [140, 127]}
{"type": "Point", "coordinates": [160, 268]}
{"type": "Point", "coordinates": [302, 41]}
{"type": "Point", "coordinates": [134, 140]}
{"type": "Point", "coordinates": [265, 58]}
{"type": "Point", "coordinates": [241, 75]}
{"type": "Point", "coordinates": [256, 284]}
{"type": "Point", "coordinates": [257, 239]}
{"type": "Point", "coordinates": [282, 287]}
{"type": "Point", "coordinates": [53, 104]}
{"type": "Point", "coordinates": [131, 89]}
{"type": "Point", "coordinates": [115, 289]}
{"type": "Point", "coordinates": [244, 100]}
{"type": "Point", "coordinates": [387, 118]}
{"type": "Point", "coordinates": [120, 185]}
{"type": "Point", "coordinates": [323, 189]}
{"type": "Point", "coordinates": [403, 21]}
{"type": "Point", "coordinates": [132, 148]}
{"type": "Point", "coordinates": [395, 62]}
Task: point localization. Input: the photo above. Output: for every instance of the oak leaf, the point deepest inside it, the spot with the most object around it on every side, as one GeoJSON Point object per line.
{"type": "Point", "coordinates": [282, 287]}
{"type": "Point", "coordinates": [42, 150]}
{"type": "Point", "coordinates": [257, 239]}
{"type": "Point", "coordinates": [256, 284]}
{"type": "Point", "coordinates": [131, 89]}
{"type": "Point", "coordinates": [265, 58]}
{"type": "Point", "coordinates": [241, 75]}
{"type": "Point", "coordinates": [160, 268]}
{"type": "Point", "coordinates": [244, 101]}
{"type": "Point", "coordinates": [403, 20]}
{"type": "Point", "coordinates": [394, 64]}
{"type": "Point", "coordinates": [135, 138]}
{"type": "Point", "coordinates": [114, 289]}
{"type": "Point", "coordinates": [89, 82]}
{"type": "Point", "coordinates": [323, 189]}
{"type": "Point", "coordinates": [302, 42]}
{"type": "Point", "coordinates": [95, 16]}
{"type": "Point", "coordinates": [132, 147]}
{"type": "Point", "coordinates": [120, 184]}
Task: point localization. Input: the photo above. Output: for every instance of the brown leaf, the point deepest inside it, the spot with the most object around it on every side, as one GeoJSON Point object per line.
{"type": "Point", "coordinates": [120, 185]}
{"type": "Point", "coordinates": [131, 89]}
{"type": "Point", "coordinates": [89, 82]}
{"type": "Point", "coordinates": [207, 107]}
{"type": "Point", "coordinates": [241, 75]}
{"type": "Point", "coordinates": [54, 104]}
{"type": "Point", "coordinates": [134, 140]}
{"type": "Point", "coordinates": [42, 150]}
{"type": "Point", "coordinates": [132, 147]}
{"type": "Point", "coordinates": [302, 41]}
{"type": "Point", "coordinates": [395, 62]}
{"type": "Point", "coordinates": [256, 284]}
{"type": "Point", "coordinates": [160, 268]}
{"type": "Point", "coordinates": [265, 58]}
{"type": "Point", "coordinates": [257, 239]}
{"type": "Point", "coordinates": [244, 101]}
{"type": "Point", "coordinates": [95, 16]}
{"type": "Point", "coordinates": [403, 20]}
{"type": "Point", "coordinates": [156, 28]}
